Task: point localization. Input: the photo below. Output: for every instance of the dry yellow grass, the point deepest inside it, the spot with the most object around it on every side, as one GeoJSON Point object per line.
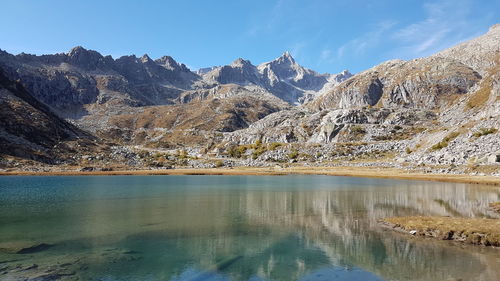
{"type": "Point", "coordinates": [368, 172]}
{"type": "Point", "coordinates": [468, 230]}
{"type": "Point", "coordinates": [495, 206]}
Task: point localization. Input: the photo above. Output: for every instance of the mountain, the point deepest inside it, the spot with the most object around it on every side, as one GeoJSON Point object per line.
{"type": "Point", "coordinates": [480, 53]}
{"type": "Point", "coordinates": [439, 110]}
{"type": "Point", "coordinates": [69, 81]}
{"type": "Point", "coordinates": [30, 130]}
{"type": "Point", "coordinates": [420, 114]}
{"type": "Point", "coordinates": [282, 77]}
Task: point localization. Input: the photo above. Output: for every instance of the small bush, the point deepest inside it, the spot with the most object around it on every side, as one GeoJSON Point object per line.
{"type": "Point", "coordinates": [275, 145]}
{"type": "Point", "coordinates": [258, 152]}
{"type": "Point", "coordinates": [408, 150]}
{"type": "Point", "coordinates": [258, 143]}
{"type": "Point", "coordinates": [484, 132]}
{"type": "Point", "coordinates": [236, 151]}
{"type": "Point", "coordinates": [358, 130]}
{"type": "Point", "coordinates": [293, 154]}
{"type": "Point", "coordinates": [444, 143]}
{"type": "Point", "coordinates": [219, 163]}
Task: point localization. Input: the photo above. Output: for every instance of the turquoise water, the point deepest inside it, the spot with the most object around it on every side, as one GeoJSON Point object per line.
{"type": "Point", "coordinates": [233, 228]}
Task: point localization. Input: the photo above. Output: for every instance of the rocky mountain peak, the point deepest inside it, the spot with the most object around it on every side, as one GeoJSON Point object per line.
{"type": "Point", "coordinates": [146, 59]}
{"type": "Point", "coordinates": [169, 63]}
{"type": "Point", "coordinates": [285, 59]}
{"type": "Point", "coordinates": [345, 72]}
{"type": "Point", "coordinates": [76, 51]}
{"type": "Point", "coordinates": [241, 63]}
{"type": "Point", "coordinates": [86, 59]}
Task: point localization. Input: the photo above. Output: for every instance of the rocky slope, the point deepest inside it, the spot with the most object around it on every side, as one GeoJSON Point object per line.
{"type": "Point", "coordinates": [439, 112]}
{"type": "Point", "coordinates": [29, 130]}
{"type": "Point", "coordinates": [283, 77]}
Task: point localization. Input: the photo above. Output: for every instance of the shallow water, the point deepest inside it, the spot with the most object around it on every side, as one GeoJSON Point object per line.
{"type": "Point", "coordinates": [234, 228]}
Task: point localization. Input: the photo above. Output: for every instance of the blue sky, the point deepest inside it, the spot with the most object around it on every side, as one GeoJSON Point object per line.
{"type": "Point", "coordinates": [327, 36]}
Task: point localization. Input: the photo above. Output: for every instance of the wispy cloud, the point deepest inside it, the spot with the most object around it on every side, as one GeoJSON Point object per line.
{"type": "Point", "coordinates": [372, 38]}
{"type": "Point", "coordinates": [447, 22]}
{"type": "Point", "coordinates": [444, 23]}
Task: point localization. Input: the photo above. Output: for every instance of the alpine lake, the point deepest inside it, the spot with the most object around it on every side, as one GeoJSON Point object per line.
{"type": "Point", "coordinates": [234, 228]}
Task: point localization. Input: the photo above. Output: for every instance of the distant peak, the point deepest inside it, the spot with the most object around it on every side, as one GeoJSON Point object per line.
{"type": "Point", "coordinates": [168, 60]}
{"type": "Point", "coordinates": [345, 72]}
{"type": "Point", "coordinates": [77, 49]}
{"type": "Point", "coordinates": [145, 58]}
{"type": "Point", "coordinates": [285, 57]}
{"type": "Point", "coordinates": [239, 62]}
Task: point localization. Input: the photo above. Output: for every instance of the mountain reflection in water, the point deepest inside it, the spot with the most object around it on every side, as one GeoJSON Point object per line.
{"type": "Point", "coordinates": [241, 227]}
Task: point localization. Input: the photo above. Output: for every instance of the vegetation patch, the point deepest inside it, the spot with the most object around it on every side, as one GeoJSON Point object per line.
{"type": "Point", "coordinates": [495, 206]}
{"type": "Point", "coordinates": [481, 96]}
{"type": "Point", "coordinates": [400, 133]}
{"type": "Point", "coordinates": [358, 130]}
{"type": "Point", "coordinates": [476, 231]}
{"type": "Point", "coordinates": [446, 140]}
{"type": "Point", "coordinates": [484, 132]}
{"type": "Point", "coordinates": [293, 154]}
{"type": "Point", "coordinates": [275, 145]}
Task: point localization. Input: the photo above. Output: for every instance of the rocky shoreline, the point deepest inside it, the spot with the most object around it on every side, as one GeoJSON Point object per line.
{"type": "Point", "coordinates": [476, 231]}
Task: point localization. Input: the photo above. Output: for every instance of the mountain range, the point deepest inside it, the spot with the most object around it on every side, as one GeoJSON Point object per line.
{"type": "Point", "coordinates": [436, 110]}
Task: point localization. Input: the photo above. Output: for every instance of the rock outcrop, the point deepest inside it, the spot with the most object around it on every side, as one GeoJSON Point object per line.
{"type": "Point", "coordinates": [30, 130]}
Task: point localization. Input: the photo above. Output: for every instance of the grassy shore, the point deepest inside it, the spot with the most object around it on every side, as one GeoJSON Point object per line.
{"type": "Point", "coordinates": [475, 231]}
{"type": "Point", "coordinates": [332, 171]}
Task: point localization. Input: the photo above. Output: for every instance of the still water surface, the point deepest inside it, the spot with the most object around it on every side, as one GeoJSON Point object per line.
{"type": "Point", "coordinates": [234, 228]}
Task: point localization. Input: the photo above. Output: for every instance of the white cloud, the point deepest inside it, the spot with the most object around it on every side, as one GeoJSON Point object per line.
{"type": "Point", "coordinates": [447, 22]}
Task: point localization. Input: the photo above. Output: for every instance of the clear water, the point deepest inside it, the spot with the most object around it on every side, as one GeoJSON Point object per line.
{"type": "Point", "coordinates": [234, 228]}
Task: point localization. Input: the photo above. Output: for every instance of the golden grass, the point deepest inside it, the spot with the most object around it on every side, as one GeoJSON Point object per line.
{"type": "Point", "coordinates": [468, 230]}
{"type": "Point", "coordinates": [481, 96]}
{"type": "Point", "coordinates": [368, 172]}
{"type": "Point", "coordinates": [495, 206]}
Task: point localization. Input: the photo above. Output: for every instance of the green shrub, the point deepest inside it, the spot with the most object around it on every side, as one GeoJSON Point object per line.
{"type": "Point", "coordinates": [293, 154]}
{"type": "Point", "coordinates": [484, 132]}
{"type": "Point", "coordinates": [258, 152]}
{"type": "Point", "coordinates": [444, 143]}
{"type": "Point", "coordinates": [358, 130]}
{"type": "Point", "coordinates": [275, 145]}
{"type": "Point", "coordinates": [236, 151]}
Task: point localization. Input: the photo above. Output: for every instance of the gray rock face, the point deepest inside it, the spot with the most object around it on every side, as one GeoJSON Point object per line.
{"type": "Point", "coordinates": [282, 77]}
{"type": "Point", "coordinates": [67, 82]}
{"type": "Point", "coordinates": [421, 83]}
{"type": "Point", "coordinates": [479, 53]}
{"type": "Point", "coordinates": [241, 72]}
{"type": "Point", "coordinates": [28, 129]}
{"type": "Point", "coordinates": [439, 110]}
